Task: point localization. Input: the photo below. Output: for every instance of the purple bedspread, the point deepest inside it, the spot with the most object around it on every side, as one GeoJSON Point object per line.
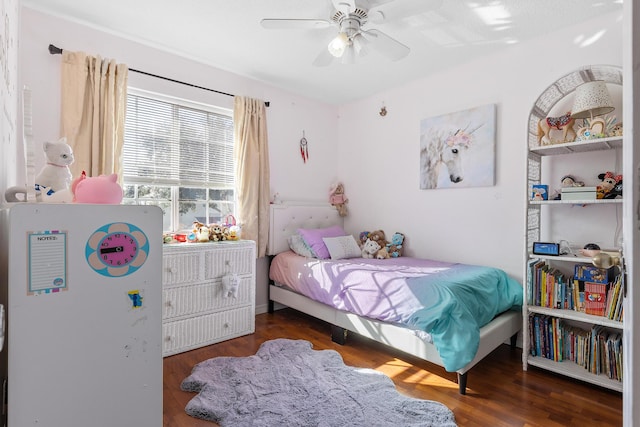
{"type": "Point", "coordinates": [450, 301]}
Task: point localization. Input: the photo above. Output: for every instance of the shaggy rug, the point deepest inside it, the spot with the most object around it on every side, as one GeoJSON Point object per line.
{"type": "Point", "coordinates": [287, 383]}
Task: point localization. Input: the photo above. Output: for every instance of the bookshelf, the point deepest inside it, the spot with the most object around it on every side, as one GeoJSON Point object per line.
{"type": "Point", "coordinates": [557, 335]}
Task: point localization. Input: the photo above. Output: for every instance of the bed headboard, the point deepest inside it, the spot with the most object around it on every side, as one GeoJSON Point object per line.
{"type": "Point", "coordinates": [285, 220]}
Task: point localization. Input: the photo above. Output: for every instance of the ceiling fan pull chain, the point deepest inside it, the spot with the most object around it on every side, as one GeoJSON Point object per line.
{"type": "Point", "coordinates": [304, 150]}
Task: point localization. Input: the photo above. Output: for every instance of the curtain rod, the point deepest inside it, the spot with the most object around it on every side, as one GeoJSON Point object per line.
{"type": "Point", "coordinates": [54, 50]}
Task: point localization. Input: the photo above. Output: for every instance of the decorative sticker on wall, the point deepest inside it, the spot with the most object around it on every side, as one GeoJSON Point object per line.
{"type": "Point", "coordinates": [458, 149]}
{"type": "Point", "coordinates": [117, 249]}
{"type": "Point", "coordinates": [47, 252]}
{"type": "Point", "coordinates": [136, 299]}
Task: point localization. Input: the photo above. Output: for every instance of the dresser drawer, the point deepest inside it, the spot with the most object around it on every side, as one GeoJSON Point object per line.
{"type": "Point", "coordinates": [203, 297]}
{"type": "Point", "coordinates": [181, 268]}
{"type": "Point", "coordinates": [235, 258]}
{"type": "Point", "coordinates": [187, 334]}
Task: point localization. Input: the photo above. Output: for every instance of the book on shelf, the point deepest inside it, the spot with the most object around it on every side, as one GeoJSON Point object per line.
{"type": "Point", "coordinates": [595, 296]}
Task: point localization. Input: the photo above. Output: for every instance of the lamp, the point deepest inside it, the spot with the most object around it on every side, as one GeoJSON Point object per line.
{"type": "Point", "coordinates": [605, 260]}
{"type": "Point", "coordinates": [337, 46]}
{"type": "Point", "coordinates": [592, 99]}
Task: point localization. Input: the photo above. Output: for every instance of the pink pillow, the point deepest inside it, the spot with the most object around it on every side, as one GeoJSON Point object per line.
{"type": "Point", "coordinates": [313, 239]}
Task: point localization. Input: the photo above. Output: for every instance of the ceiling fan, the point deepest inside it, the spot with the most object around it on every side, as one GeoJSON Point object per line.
{"type": "Point", "coordinates": [354, 38]}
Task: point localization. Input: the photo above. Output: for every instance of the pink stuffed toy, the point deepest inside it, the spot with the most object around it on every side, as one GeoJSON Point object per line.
{"type": "Point", "coordinates": [102, 189]}
{"type": "Point", "coordinates": [338, 199]}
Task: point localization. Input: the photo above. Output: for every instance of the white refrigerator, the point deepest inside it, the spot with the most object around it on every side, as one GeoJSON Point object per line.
{"type": "Point", "coordinates": [82, 290]}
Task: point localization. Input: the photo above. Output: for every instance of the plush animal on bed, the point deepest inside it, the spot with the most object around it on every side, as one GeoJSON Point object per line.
{"type": "Point", "coordinates": [378, 237]}
{"type": "Point", "coordinates": [370, 249]}
{"type": "Point", "coordinates": [383, 253]}
{"type": "Point", "coordinates": [362, 238]}
{"type": "Point", "coordinates": [395, 246]}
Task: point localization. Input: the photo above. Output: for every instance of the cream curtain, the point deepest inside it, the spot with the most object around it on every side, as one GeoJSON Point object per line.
{"type": "Point", "coordinates": [251, 155]}
{"type": "Point", "coordinates": [94, 97]}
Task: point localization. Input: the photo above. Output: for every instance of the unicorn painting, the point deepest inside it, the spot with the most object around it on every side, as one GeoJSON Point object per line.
{"type": "Point", "coordinates": [457, 150]}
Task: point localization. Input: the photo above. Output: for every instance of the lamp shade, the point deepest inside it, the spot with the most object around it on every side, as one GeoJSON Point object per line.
{"type": "Point", "coordinates": [591, 99]}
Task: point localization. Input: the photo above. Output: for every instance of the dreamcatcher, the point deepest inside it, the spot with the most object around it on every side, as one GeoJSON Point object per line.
{"type": "Point", "coordinates": [304, 149]}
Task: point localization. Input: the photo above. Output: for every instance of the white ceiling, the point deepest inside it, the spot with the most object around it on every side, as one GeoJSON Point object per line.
{"type": "Point", "coordinates": [227, 34]}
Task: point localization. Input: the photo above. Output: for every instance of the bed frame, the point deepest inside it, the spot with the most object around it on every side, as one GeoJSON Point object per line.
{"type": "Point", "coordinates": [285, 219]}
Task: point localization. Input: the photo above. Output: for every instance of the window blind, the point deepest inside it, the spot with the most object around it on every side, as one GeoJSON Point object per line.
{"type": "Point", "coordinates": [167, 143]}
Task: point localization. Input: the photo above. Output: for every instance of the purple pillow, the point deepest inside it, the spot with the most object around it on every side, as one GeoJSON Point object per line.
{"type": "Point", "coordinates": [313, 239]}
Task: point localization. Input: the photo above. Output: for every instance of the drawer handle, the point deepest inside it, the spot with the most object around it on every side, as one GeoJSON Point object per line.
{"type": "Point", "coordinates": [167, 338]}
{"type": "Point", "coordinates": [172, 269]}
{"type": "Point", "coordinates": [168, 304]}
{"type": "Point", "coordinates": [226, 324]}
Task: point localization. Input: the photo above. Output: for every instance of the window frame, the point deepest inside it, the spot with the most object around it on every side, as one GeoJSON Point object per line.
{"type": "Point", "coordinates": [174, 202]}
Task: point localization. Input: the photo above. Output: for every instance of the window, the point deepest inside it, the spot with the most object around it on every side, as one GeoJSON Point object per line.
{"type": "Point", "coordinates": [178, 155]}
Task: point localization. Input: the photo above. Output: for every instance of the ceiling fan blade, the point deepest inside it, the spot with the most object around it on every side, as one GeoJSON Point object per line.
{"type": "Point", "coordinates": [324, 58]}
{"type": "Point", "coordinates": [304, 24]}
{"type": "Point", "coordinates": [344, 6]}
{"type": "Point", "coordinates": [389, 47]}
{"type": "Point", "coordinates": [393, 10]}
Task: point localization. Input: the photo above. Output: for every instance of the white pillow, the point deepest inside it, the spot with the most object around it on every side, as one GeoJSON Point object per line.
{"type": "Point", "coordinates": [297, 245]}
{"type": "Point", "coordinates": [342, 247]}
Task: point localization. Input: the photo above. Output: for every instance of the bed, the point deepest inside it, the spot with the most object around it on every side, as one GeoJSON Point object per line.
{"type": "Point", "coordinates": [383, 322]}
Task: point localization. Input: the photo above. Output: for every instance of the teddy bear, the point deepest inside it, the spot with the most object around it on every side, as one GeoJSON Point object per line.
{"type": "Point", "coordinates": [338, 199]}
{"type": "Point", "coordinates": [609, 181]}
{"type": "Point", "coordinates": [395, 246]}
{"type": "Point", "coordinates": [370, 249]}
{"type": "Point", "coordinates": [378, 236]}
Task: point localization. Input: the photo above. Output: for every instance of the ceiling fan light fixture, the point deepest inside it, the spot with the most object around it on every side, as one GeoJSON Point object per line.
{"type": "Point", "coordinates": [338, 45]}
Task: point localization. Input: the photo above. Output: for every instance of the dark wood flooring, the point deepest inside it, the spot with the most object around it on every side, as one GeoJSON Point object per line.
{"type": "Point", "coordinates": [499, 393]}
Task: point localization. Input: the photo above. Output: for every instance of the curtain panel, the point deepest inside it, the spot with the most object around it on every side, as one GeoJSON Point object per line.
{"type": "Point", "coordinates": [94, 96]}
{"type": "Point", "coordinates": [251, 155]}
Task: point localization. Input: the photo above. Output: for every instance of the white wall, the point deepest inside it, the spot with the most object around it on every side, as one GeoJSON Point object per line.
{"type": "Point", "coordinates": [9, 17]}
{"type": "Point", "coordinates": [379, 156]}
{"type": "Point", "coordinates": [288, 115]}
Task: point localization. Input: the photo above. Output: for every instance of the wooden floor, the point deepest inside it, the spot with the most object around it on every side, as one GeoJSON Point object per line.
{"type": "Point", "coordinates": [499, 392]}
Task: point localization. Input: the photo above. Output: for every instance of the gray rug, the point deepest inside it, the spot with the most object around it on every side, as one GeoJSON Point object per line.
{"type": "Point", "coordinates": [287, 383]}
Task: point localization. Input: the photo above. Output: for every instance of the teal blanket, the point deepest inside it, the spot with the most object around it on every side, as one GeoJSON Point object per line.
{"type": "Point", "coordinates": [456, 302]}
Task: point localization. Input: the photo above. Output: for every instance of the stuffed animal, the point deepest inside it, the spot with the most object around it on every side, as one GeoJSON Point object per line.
{"type": "Point", "coordinates": [202, 233]}
{"type": "Point", "coordinates": [230, 284]}
{"type": "Point", "coordinates": [338, 199]}
{"type": "Point", "coordinates": [370, 249]}
{"type": "Point", "coordinates": [378, 237]}
{"type": "Point", "coordinates": [383, 253]}
{"type": "Point", "coordinates": [54, 176]}
{"type": "Point", "coordinates": [362, 238]}
{"type": "Point", "coordinates": [395, 246]}
{"type": "Point", "coordinates": [609, 181]}
{"type": "Point", "coordinates": [215, 233]}
{"type": "Point", "coordinates": [616, 191]}
{"type": "Point", "coordinates": [103, 189]}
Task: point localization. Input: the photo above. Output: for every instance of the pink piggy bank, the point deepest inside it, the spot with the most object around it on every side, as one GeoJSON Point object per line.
{"type": "Point", "coordinates": [102, 189]}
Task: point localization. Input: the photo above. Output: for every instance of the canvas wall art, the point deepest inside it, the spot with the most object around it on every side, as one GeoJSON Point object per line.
{"type": "Point", "coordinates": [457, 150]}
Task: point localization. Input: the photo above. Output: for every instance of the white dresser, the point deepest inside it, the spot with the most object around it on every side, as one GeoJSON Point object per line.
{"type": "Point", "coordinates": [196, 310]}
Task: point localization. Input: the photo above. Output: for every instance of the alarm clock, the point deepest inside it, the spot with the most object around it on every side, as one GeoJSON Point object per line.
{"type": "Point", "coordinates": [117, 249]}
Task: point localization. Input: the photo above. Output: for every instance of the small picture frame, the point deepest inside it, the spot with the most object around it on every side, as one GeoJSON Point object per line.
{"type": "Point", "coordinates": [539, 192]}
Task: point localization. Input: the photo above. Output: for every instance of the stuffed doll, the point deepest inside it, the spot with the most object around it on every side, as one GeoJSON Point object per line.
{"type": "Point", "coordinates": [378, 237]}
{"type": "Point", "coordinates": [370, 249]}
{"type": "Point", "coordinates": [383, 253]}
{"type": "Point", "coordinates": [395, 247]}
{"type": "Point", "coordinates": [338, 199]}
{"type": "Point", "coordinates": [609, 181]}
{"type": "Point", "coordinates": [362, 238]}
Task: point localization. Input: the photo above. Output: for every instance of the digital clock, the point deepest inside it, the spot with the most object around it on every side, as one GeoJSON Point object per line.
{"type": "Point", "coordinates": [117, 249]}
{"type": "Point", "coordinates": [546, 248]}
